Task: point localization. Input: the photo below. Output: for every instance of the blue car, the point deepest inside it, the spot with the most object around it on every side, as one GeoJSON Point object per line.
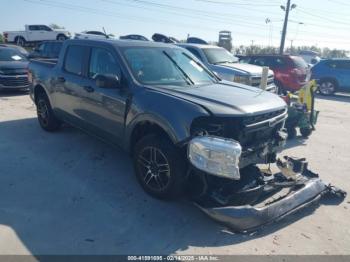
{"type": "Point", "coordinates": [333, 75]}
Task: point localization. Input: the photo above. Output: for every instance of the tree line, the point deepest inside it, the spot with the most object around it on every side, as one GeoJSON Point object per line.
{"type": "Point", "coordinates": [295, 50]}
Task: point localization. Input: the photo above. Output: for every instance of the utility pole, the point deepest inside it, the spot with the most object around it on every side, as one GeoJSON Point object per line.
{"type": "Point", "coordinates": [284, 32]}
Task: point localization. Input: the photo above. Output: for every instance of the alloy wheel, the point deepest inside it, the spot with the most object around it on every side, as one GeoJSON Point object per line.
{"type": "Point", "coordinates": [43, 112]}
{"type": "Point", "coordinates": [327, 88]}
{"type": "Point", "coordinates": [155, 168]}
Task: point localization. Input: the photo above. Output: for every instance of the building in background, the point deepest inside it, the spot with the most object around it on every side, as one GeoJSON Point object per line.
{"type": "Point", "coordinates": [225, 40]}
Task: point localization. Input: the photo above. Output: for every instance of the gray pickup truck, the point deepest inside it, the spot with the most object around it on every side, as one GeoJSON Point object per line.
{"type": "Point", "coordinates": [187, 131]}
{"type": "Point", "coordinates": [227, 66]}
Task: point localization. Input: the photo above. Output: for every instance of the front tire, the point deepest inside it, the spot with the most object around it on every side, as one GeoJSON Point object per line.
{"type": "Point", "coordinates": [61, 38]}
{"type": "Point", "coordinates": [46, 117]}
{"type": "Point", "coordinates": [305, 132]}
{"type": "Point", "coordinates": [327, 87]}
{"type": "Point", "coordinates": [159, 167]}
{"type": "Point", "coordinates": [292, 132]}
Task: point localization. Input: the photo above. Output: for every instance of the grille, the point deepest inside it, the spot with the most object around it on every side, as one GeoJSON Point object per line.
{"type": "Point", "coordinates": [259, 118]}
{"type": "Point", "coordinates": [14, 71]}
{"type": "Point", "coordinates": [256, 80]}
{"type": "Point", "coordinates": [14, 81]}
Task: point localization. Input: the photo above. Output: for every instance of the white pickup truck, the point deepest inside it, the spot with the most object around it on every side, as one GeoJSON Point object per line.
{"type": "Point", "coordinates": [35, 33]}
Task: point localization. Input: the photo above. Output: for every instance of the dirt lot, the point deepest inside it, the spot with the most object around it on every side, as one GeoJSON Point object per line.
{"type": "Point", "coordinates": [68, 193]}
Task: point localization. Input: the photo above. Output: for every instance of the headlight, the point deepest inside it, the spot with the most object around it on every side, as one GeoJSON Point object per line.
{"type": "Point", "coordinates": [242, 79]}
{"type": "Point", "coordinates": [216, 156]}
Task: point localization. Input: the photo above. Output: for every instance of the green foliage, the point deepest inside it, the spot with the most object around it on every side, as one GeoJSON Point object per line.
{"type": "Point", "coordinates": [1, 39]}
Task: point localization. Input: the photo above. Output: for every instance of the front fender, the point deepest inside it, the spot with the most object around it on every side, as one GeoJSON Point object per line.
{"type": "Point", "coordinates": [174, 115]}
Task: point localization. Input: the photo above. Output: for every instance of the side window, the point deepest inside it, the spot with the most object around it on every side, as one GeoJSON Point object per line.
{"type": "Point", "coordinates": [44, 28]}
{"type": "Point", "coordinates": [332, 64]}
{"type": "Point", "coordinates": [344, 65]}
{"type": "Point", "coordinates": [33, 28]}
{"type": "Point", "coordinates": [102, 62]}
{"type": "Point", "coordinates": [40, 48]}
{"type": "Point", "coordinates": [260, 61]}
{"type": "Point", "coordinates": [195, 53]}
{"type": "Point", "coordinates": [74, 59]}
{"type": "Point", "coordinates": [277, 62]}
{"type": "Point", "coordinates": [55, 49]}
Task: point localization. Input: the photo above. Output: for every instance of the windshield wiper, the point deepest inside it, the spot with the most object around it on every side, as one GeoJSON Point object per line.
{"type": "Point", "coordinates": [186, 77]}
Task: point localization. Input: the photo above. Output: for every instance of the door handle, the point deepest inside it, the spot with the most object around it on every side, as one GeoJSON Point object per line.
{"type": "Point", "coordinates": [61, 79]}
{"type": "Point", "coordinates": [89, 89]}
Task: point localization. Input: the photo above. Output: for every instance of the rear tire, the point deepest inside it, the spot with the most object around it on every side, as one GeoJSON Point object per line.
{"type": "Point", "coordinates": [159, 167]}
{"type": "Point", "coordinates": [20, 41]}
{"type": "Point", "coordinates": [46, 117]}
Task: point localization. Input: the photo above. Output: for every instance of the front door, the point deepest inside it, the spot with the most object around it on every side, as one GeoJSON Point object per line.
{"type": "Point", "coordinates": [104, 108]}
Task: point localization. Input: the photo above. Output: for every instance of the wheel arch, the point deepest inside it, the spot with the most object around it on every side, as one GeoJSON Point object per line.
{"type": "Point", "coordinates": [330, 78]}
{"type": "Point", "coordinates": [145, 125]}
{"type": "Point", "coordinates": [39, 89]}
{"type": "Point", "coordinates": [18, 37]}
{"type": "Point", "coordinates": [61, 34]}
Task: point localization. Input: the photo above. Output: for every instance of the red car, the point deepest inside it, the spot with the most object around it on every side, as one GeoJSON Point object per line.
{"type": "Point", "coordinates": [290, 71]}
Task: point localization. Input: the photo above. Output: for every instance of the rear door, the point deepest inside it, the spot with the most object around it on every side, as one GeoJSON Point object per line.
{"type": "Point", "coordinates": [68, 84]}
{"type": "Point", "coordinates": [33, 33]}
{"type": "Point", "coordinates": [104, 108]}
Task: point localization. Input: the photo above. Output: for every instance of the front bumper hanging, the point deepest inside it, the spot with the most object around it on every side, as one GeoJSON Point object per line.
{"type": "Point", "coordinates": [307, 190]}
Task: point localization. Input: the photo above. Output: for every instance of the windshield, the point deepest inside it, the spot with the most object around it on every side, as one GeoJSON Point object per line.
{"type": "Point", "coordinates": [11, 54]}
{"type": "Point", "coordinates": [219, 56]}
{"type": "Point", "coordinates": [299, 62]}
{"type": "Point", "coordinates": [166, 66]}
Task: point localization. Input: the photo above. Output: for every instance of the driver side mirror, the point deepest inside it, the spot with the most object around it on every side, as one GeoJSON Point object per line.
{"type": "Point", "coordinates": [107, 81]}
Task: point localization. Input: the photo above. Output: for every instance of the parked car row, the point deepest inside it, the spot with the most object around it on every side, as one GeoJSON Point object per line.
{"type": "Point", "coordinates": [13, 68]}
{"type": "Point", "coordinates": [288, 73]}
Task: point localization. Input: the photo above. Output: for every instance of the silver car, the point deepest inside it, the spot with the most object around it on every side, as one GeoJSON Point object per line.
{"type": "Point", "coordinates": [227, 66]}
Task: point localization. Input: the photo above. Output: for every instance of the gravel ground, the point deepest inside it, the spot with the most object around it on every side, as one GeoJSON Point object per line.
{"type": "Point", "coordinates": [68, 193]}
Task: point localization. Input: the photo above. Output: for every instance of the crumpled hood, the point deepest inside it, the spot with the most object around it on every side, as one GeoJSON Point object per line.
{"type": "Point", "coordinates": [226, 98]}
{"type": "Point", "coordinates": [243, 68]}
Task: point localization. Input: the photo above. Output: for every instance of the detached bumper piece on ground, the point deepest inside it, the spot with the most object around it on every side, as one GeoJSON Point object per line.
{"type": "Point", "coordinates": [266, 197]}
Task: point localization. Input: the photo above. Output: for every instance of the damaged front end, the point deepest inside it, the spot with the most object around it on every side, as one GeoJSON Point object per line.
{"type": "Point", "coordinates": [259, 197]}
{"type": "Point", "coordinates": [226, 183]}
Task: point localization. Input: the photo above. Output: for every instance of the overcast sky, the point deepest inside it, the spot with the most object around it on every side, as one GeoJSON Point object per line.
{"type": "Point", "coordinates": [325, 23]}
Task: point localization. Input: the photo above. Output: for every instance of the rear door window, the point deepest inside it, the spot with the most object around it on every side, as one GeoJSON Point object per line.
{"type": "Point", "coordinates": [74, 59]}
{"type": "Point", "coordinates": [344, 65]}
{"type": "Point", "coordinates": [34, 28]}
